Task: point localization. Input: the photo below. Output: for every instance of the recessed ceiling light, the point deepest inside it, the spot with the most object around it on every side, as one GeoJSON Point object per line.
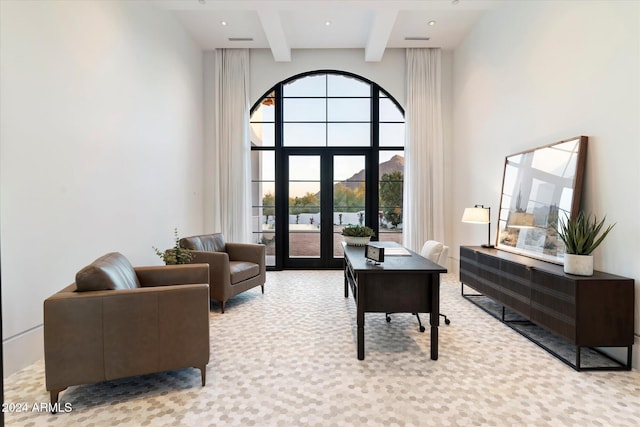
{"type": "Point", "coordinates": [224, 23]}
{"type": "Point", "coordinates": [327, 23]}
{"type": "Point", "coordinates": [431, 23]}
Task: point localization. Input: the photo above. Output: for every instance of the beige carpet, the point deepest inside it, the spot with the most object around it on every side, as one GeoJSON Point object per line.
{"type": "Point", "coordinates": [288, 358]}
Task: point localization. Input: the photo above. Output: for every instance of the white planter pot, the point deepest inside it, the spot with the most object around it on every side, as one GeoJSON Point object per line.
{"type": "Point", "coordinates": [581, 265]}
{"type": "Point", "coordinates": [356, 241]}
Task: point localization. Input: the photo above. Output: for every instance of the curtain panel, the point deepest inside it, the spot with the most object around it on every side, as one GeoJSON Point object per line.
{"type": "Point", "coordinates": [424, 150]}
{"type": "Point", "coordinates": [228, 147]}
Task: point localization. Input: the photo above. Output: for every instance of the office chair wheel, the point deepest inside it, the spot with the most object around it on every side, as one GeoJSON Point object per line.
{"type": "Point", "coordinates": [388, 318]}
{"type": "Point", "coordinates": [446, 319]}
{"type": "Point", "coordinates": [422, 329]}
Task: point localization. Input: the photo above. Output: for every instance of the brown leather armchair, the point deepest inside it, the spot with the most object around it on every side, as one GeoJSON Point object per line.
{"type": "Point", "coordinates": [233, 267]}
{"type": "Point", "coordinates": [117, 321]}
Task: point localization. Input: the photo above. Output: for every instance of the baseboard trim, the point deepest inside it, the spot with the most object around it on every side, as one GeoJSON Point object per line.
{"type": "Point", "coordinates": [22, 350]}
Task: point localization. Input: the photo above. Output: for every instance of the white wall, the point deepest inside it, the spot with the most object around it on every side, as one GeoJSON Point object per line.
{"type": "Point", "coordinates": [101, 147]}
{"type": "Point", "coordinates": [532, 73]}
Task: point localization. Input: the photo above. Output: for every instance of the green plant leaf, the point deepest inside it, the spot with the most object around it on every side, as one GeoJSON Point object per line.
{"type": "Point", "coordinates": [582, 235]}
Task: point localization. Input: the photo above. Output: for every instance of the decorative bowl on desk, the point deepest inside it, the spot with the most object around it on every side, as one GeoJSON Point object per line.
{"type": "Point", "coordinates": [356, 240]}
{"type": "Point", "coordinates": [357, 235]}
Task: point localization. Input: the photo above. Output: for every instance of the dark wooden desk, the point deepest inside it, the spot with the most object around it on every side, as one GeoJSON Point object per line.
{"type": "Point", "coordinates": [401, 284]}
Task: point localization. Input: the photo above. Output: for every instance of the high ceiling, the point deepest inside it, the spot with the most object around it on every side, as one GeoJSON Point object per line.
{"type": "Point", "coordinates": [283, 25]}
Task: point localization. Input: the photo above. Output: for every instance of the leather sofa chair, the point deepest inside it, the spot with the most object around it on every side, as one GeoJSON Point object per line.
{"type": "Point", "coordinates": [117, 321]}
{"type": "Point", "coordinates": [233, 267]}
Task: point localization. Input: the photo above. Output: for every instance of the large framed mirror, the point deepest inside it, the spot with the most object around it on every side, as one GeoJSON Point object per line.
{"type": "Point", "coordinates": [540, 187]}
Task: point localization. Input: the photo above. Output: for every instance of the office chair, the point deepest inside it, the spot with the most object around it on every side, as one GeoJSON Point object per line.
{"type": "Point", "coordinates": [436, 252]}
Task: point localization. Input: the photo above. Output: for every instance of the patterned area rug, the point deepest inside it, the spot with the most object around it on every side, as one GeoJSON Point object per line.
{"type": "Point", "coordinates": [288, 358]}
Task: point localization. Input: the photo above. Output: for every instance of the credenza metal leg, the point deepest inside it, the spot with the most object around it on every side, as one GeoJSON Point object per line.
{"type": "Point", "coordinates": [578, 348]}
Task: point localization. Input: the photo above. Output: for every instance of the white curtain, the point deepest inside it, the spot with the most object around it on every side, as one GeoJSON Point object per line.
{"type": "Point", "coordinates": [230, 146]}
{"type": "Point", "coordinates": [424, 150]}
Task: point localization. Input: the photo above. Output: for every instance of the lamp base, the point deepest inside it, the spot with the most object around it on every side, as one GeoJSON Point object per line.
{"type": "Point", "coordinates": [487, 246]}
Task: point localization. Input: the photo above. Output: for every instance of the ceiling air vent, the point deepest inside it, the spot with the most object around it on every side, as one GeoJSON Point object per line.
{"type": "Point", "coordinates": [416, 38]}
{"type": "Point", "coordinates": [240, 39]}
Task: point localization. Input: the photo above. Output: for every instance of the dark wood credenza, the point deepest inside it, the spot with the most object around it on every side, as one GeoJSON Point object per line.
{"type": "Point", "coordinates": [587, 311]}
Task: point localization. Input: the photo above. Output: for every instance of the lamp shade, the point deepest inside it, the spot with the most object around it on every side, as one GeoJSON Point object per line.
{"type": "Point", "coordinates": [476, 215]}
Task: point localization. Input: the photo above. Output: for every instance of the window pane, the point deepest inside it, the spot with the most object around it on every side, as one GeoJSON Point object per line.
{"type": "Point", "coordinates": [304, 244]}
{"type": "Point", "coordinates": [339, 85]}
{"type": "Point", "coordinates": [304, 168]}
{"type": "Point", "coordinates": [390, 161]}
{"type": "Point", "coordinates": [304, 110]}
{"type": "Point", "coordinates": [348, 189]}
{"type": "Point", "coordinates": [349, 168]}
{"type": "Point", "coordinates": [304, 135]}
{"type": "Point", "coordinates": [262, 224]}
{"type": "Point", "coordinates": [262, 134]}
{"type": "Point", "coordinates": [265, 112]}
{"type": "Point", "coordinates": [307, 86]}
{"type": "Point", "coordinates": [389, 112]}
{"type": "Point", "coordinates": [386, 235]}
{"type": "Point", "coordinates": [263, 165]}
{"type": "Point", "coordinates": [269, 240]}
{"type": "Point", "coordinates": [392, 134]}
{"type": "Point", "coordinates": [307, 193]}
{"type": "Point", "coordinates": [338, 252]}
{"type": "Point", "coordinates": [349, 134]}
{"type": "Point", "coordinates": [349, 110]}
{"type": "Point", "coordinates": [262, 193]}
{"type": "Point", "coordinates": [390, 188]}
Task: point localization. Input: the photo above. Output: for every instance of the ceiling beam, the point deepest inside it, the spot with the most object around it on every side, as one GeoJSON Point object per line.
{"type": "Point", "coordinates": [379, 34]}
{"type": "Point", "coordinates": [272, 26]}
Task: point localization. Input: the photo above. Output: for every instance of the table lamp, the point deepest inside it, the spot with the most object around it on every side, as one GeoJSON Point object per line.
{"type": "Point", "coordinates": [479, 215]}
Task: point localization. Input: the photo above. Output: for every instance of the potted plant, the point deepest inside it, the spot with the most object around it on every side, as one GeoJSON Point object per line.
{"type": "Point", "coordinates": [175, 255]}
{"type": "Point", "coordinates": [357, 235]}
{"type": "Point", "coordinates": [581, 236]}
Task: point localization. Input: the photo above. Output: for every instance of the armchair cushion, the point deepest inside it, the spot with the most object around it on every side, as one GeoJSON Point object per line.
{"type": "Point", "coordinates": [109, 272]}
{"type": "Point", "coordinates": [243, 270]}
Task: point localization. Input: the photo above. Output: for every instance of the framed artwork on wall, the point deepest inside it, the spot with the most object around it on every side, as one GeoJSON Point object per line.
{"type": "Point", "coordinates": [540, 188]}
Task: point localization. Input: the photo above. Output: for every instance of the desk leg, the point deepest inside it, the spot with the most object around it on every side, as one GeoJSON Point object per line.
{"type": "Point", "coordinates": [346, 282]}
{"type": "Point", "coordinates": [360, 332]}
{"type": "Point", "coordinates": [434, 319]}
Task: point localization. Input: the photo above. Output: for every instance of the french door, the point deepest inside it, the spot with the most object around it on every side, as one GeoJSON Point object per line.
{"type": "Point", "coordinates": [326, 189]}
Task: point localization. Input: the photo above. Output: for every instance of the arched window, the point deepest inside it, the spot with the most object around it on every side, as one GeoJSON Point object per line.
{"type": "Point", "coordinates": [327, 151]}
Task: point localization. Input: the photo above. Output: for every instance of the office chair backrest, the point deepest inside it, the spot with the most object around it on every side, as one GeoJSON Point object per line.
{"type": "Point", "coordinates": [435, 251]}
{"type": "Point", "coordinates": [444, 255]}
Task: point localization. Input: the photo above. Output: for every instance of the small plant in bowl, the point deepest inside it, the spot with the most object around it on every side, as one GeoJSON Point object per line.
{"type": "Point", "coordinates": [357, 235]}
{"type": "Point", "coordinates": [175, 255]}
{"type": "Point", "coordinates": [581, 236]}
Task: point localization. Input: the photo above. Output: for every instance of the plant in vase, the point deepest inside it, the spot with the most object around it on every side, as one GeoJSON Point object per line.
{"type": "Point", "coordinates": [581, 236]}
{"type": "Point", "coordinates": [357, 235]}
{"type": "Point", "coordinates": [175, 255]}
